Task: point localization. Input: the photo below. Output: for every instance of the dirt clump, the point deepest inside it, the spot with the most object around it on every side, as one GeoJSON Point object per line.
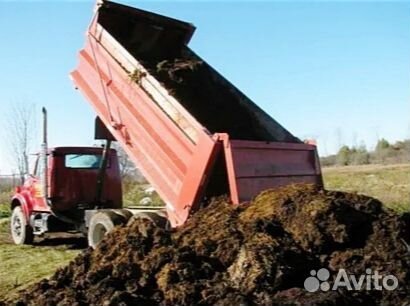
{"type": "Point", "coordinates": [258, 253]}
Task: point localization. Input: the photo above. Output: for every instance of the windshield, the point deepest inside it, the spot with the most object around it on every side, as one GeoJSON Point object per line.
{"type": "Point", "coordinates": [83, 161]}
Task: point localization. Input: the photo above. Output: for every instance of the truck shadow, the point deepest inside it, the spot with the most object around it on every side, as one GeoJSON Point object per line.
{"type": "Point", "coordinates": [71, 243]}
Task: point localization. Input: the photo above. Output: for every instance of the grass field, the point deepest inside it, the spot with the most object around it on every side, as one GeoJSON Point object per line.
{"type": "Point", "coordinates": [21, 266]}
{"type": "Point", "coordinates": [388, 183]}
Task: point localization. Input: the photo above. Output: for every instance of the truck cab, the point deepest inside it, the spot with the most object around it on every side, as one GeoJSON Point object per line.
{"type": "Point", "coordinates": [62, 187]}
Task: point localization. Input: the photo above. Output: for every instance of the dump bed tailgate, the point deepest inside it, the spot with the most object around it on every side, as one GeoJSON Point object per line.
{"type": "Point", "coordinates": [254, 166]}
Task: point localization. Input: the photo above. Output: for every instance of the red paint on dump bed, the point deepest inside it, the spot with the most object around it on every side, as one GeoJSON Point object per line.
{"type": "Point", "coordinates": [171, 148]}
{"type": "Point", "coordinates": [254, 166]}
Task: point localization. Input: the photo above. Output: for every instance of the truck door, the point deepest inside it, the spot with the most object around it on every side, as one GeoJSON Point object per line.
{"type": "Point", "coordinates": [35, 186]}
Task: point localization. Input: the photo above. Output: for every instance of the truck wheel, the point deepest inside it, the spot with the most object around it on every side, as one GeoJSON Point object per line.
{"type": "Point", "coordinates": [155, 218]}
{"type": "Point", "coordinates": [100, 224]}
{"type": "Point", "coordinates": [21, 231]}
{"type": "Point", "coordinates": [123, 212]}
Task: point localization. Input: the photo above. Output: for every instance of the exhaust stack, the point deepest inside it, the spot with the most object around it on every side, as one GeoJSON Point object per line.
{"type": "Point", "coordinates": [44, 152]}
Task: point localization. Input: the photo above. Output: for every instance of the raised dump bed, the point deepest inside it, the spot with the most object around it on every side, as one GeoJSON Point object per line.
{"type": "Point", "coordinates": [190, 131]}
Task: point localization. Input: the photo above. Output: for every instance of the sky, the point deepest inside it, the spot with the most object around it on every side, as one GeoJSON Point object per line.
{"type": "Point", "coordinates": [338, 72]}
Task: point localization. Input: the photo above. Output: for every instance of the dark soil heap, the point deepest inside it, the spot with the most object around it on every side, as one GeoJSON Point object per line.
{"type": "Point", "coordinates": [253, 254]}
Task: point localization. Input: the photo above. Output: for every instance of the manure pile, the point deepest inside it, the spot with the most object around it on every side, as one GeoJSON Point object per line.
{"type": "Point", "coordinates": [254, 254]}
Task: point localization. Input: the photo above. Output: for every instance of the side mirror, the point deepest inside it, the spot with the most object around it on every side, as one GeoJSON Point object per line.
{"type": "Point", "coordinates": [101, 131]}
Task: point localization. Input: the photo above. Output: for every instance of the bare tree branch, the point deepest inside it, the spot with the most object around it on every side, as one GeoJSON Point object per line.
{"type": "Point", "coordinates": [127, 167]}
{"type": "Point", "coordinates": [19, 135]}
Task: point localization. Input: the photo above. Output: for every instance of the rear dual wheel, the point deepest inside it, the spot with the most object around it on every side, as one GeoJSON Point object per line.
{"type": "Point", "coordinates": [104, 221]}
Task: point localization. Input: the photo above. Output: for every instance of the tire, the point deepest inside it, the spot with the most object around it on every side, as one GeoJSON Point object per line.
{"type": "Point", "coordinates": [21, 231]}
{"type": "Point", "coordinates": [153, 217]}
{"type": "Point", "coordinates": [157, 219]}
{"type": "Point", "coordinates": [123, 212]}
{"type": "Point", "coordinates": [102, 223]}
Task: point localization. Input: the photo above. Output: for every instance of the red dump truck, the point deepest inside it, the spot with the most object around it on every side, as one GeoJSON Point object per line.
{"type": "Point", "coordinates": [192, 134]}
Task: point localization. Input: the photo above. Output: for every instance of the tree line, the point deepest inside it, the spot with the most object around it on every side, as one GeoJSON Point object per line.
{"type": "Point", "coordinates": [383, 153]}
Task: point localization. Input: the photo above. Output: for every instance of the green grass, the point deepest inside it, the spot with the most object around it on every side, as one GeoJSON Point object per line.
{"type": "Point", "coordinates": [388, 183]}
{"type": "Point", "coordinates": [21, 266]}
{"type": "Point", "coordinates": [5, 211]}
{"type": "Point", "coordinates": [134, 193]}
{"type": "Point", "coordinates": [5, 204]}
